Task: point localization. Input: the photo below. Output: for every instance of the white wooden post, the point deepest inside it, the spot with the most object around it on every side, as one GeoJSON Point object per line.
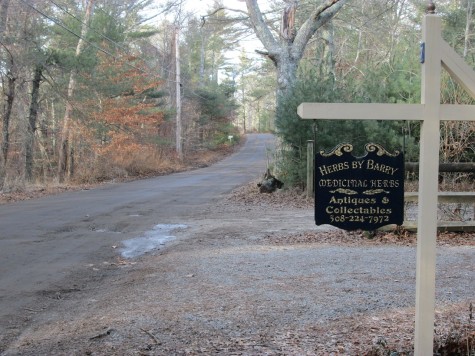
{"type": "Point", "coordinates": [437, 54]}
{"type": "Point", "coordinates": [428, 188]}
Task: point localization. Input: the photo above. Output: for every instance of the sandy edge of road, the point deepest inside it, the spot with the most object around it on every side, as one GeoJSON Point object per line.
{"type": "Point", "coordinates": [249, 276]}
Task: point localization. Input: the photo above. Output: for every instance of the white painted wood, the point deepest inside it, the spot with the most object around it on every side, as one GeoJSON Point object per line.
{"type": "Point", "coordinates": [428, 188]}
{"type": "Point", "coordinates": [443, 226]}
{"type": "Point", "coordinates": [444, 197]}
{"type": "Point", "coordinates": [460, 71]}
{"type": "Point", "coordinates": [457, 112]}
{"type": "Point", "coordinates": [350, 111]}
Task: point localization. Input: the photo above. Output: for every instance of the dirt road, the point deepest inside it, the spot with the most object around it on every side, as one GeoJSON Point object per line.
{"type": "Point", "coordinates": [235, 278]}
{"type": "Point", "coordinates": [43, 240]}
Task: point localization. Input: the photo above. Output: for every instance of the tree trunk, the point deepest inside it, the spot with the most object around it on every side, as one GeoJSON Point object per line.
{"type": "Point", "coordinates": [179, 128]}
{"type": "Point", "coordinates": [45, 167]}
{"type": "Point", "coordinates": [10, 94]}
{"type": "Point", "coordinates": [4, 4]}
{"type": "Point", "coordinates": [32, 119]}
{"type": "Point", "coordinates": [286, 75]}
{"type": "Point", "coordinates": [467, 28]}
{"type": "Point", "coordinates": [65, 151]}
{"type": "Point", "coordinates": [202, 59]}
{"type": "Point", "coordinates": [287, 51]}
{"type": "Point", "coordinates": [329, 52]}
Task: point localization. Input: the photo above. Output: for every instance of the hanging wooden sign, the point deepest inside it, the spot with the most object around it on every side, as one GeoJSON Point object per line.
{"type": "Point", "coordinates": [359, 192]}
{"type": "Point", "coordinates": [437, 54]}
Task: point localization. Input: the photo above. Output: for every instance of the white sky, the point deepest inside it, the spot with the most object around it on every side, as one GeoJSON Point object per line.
{"type": "Point", "coordinates": [247, 44]}
{"type": "Point", "coordinates": [201, 7]}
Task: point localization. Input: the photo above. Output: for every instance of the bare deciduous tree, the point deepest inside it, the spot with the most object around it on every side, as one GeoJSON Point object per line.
{"type": "Point", "coordinates": [287, 49]}
{"type": "Point", "coordinates": [65, 163]}
{"type": "Point", "coordinates": [8, 84]}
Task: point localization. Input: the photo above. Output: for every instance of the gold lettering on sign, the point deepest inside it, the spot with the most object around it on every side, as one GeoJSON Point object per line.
{"type": "Point", "coordinates": [384, 183]}
{"type": "Point", "coordinates": [354, 201]}
{"type": "Point", "coordinates": [337, 167]}
{"type": "Point", "coordinates": [356, 192]}
{"type": "Point", "coordinates": [357, 164]}
{"type": "Point", "coordinates": [359, 210]}
{"type": "Point", "coordinates": [343, 183]}
{"type": "Point", "coordinates": [374, 166]}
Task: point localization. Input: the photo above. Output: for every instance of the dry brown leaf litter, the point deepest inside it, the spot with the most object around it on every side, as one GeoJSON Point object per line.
{"type": "Point", "coordinates": [294, 198]}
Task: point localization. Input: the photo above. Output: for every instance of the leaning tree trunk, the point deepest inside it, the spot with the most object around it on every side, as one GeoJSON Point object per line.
{"type": "Point", "coordinates": [65, 151]}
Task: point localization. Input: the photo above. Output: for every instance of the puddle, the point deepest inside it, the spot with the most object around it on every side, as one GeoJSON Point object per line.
{"type": "Point", "coordinates": [152, 240]}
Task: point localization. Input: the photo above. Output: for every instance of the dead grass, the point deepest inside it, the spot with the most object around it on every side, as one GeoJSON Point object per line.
{"type": "Point", "coordinates": [295, 198]}
{"type": "Point", "coordinates": [34, 191]}
{"type": "Point", "coordinates": [362, 238]}
{"type": "Point", "coordinates": [281, 199]}
{"type": "Point", "coordinates": [105, 173]}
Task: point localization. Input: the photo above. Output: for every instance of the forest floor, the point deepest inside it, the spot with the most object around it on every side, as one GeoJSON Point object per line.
{"type": "Point", "coordinates": [252, 275]}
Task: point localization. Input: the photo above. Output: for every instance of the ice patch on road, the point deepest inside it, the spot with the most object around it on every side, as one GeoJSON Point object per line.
{"type": "Point", "coordinates": [107, 231]}
{"type": "Point", "coordinates": [152, 240]}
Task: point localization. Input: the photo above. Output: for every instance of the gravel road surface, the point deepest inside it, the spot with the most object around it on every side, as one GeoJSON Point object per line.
{"type": "Point", "coordinates": [226, 281]}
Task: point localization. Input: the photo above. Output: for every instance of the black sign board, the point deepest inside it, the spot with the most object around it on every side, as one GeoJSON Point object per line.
{"type": "Point", "coordinates": [359, 192]}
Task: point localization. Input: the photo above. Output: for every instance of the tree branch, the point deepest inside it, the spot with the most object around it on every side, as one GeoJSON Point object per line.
{"type": "Point", "coordinates": [261, 29]}
{"type": "Point", "coordinates": [266, 54]}
{"type": "Point", "coordinates": [203, 18]}
{"type": "Point", "coordinates": [317, 19]}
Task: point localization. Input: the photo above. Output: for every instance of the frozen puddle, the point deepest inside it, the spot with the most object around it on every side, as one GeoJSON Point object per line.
{"type": "Point", "coordinates": [152, 240]}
